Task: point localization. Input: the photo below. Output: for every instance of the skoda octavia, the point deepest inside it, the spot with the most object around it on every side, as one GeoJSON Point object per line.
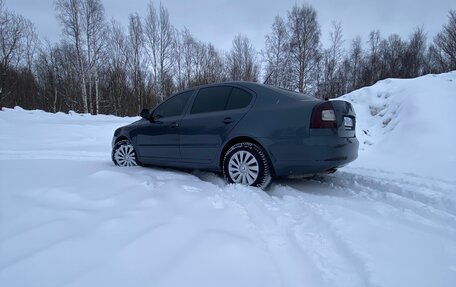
{"type": "Point", "coordinates": [247, 131]}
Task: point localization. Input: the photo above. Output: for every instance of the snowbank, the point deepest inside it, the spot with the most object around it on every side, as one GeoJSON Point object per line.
{"type": "Point", "coordinates": [408, 125]}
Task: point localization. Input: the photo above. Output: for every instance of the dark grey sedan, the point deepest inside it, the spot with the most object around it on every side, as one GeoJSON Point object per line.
{"type": "Point", "coordinates": [249, 132]}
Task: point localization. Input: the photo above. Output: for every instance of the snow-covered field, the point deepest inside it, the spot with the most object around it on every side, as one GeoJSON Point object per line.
{"type": "Point", "coordinates": [69, 217]}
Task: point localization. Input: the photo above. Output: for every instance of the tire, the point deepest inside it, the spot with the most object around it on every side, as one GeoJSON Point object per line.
{"type": "Point", "coordinates": [124, 154]}
{"type": "Point", "coordinates": [246, 163]}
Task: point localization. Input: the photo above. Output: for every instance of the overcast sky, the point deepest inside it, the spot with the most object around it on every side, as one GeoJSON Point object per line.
{"type": "Point", "coordinates": [218, 21]}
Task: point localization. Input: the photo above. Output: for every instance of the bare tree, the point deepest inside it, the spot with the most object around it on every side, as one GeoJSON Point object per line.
{"type": "Point", "coordinates": [136, 41]}
{"type": "Point", "coordinates": [332, 60]}
{"type": "Point", "coordinates": [69, 13]}
{"type": "Point", "coordinates": [305, 46]}
{"type": "Point", "coordinates": [277, 55]}
{"type": "Point", "coordinates": [116, 73]}
{"type": "Point", "coordinates": [95, 28]}
{"type": "Point", "coordinates": [28, 44]}
{"type": "Point", "coordinates": [185, 47]}
{"type": "Point", "coordinates": [58, 77]}
{"type": "Point", "coordinates": [18, 42]}
{"type": "Point", "coordinates": [196, 63]}
{"type": "Point", "coordinates": [414, 60]}
{"type": "Point", "coordinates": [84, 26]}
{"type": "Point", "coordinates": [242, 62]}
{"type": "Point", "coordinates": [391, 53]}
{"type": "Point", "coordinates": [12, 31]}
{"type": "Point", "coordinates": [49, 76]}
{"type": "Point", "coordinates": [373, 66]}
{"type": "Point", "coordinates": [444, 46]}
{"type": "Point", "coordinates": [160, 40]}
{"type": "Point", "coordinates": [151, 35]}
{"type": "Point", "coordinates": [166, 51]}
{"type": "Point", "coordinates": [356, 57]}
{"type": "Point", "coordinates": [213, 70]}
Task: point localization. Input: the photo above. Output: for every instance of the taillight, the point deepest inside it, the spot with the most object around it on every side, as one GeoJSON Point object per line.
{"type": "Point", "coordinates": [323, 116]}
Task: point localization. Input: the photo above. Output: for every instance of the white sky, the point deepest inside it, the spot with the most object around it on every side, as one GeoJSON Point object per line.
{"type": "Point", "coordinates": [218, 21]}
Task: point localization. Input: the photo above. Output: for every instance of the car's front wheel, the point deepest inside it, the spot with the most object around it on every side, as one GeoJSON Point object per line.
{"type": "Point", "coordinates": [124, 154]}
{"type": "Point", "coordinates": [246, 163]}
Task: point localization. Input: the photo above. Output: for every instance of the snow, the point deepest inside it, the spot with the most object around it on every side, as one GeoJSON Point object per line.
{"type": "Point", "coordinates": [410, 119]}
{"type": "Point", "coordinates": [69, 217]}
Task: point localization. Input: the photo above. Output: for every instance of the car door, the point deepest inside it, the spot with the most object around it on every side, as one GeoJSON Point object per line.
{"type": "Point", "coordinates": [214, 113]}
{"type": "Point", "coordinates": [158, 137]}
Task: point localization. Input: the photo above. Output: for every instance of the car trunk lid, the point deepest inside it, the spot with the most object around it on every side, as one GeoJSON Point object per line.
{"type": "Point", "coordinates": [345, 118]}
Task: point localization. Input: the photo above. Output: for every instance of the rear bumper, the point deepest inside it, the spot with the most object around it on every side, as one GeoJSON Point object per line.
{"type": "Point", "coordinates": [316, 154]}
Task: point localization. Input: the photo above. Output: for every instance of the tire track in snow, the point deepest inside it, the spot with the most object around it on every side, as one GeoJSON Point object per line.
{"type": "Point", "coordinates": [290, 225]}
{"type": "Point", "coordinates": [333, 254]}
{"type": "Point", "coordinates": [259, 219]}
{"type": "Point", "coordinates": [424, 180]}
{"type": "Point", "coordinates": [429, 201]}
{"type": "Point", "coordinates": [395, 199]}
{"type": "Point", "coordinates": [427, 198]}
{"type": "Point", "coordinates": [298, 222]}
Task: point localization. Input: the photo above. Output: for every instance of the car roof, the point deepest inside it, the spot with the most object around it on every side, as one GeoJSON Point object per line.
{"type": "Point", "coordinates": [263, 89]}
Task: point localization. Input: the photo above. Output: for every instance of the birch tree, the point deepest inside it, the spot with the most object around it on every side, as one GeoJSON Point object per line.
{"type": "Point", "coordinates": [277, 54]}
{"type": "Point", "coordinates": [305, 46]}
{"type": "Point", "coordinates": [94, 28]}
{"type": "Point", "coordinates": [242, 63]}
{"type": "Point", "coordinates": [69, 13]}
{"type": "Point", "coordinates": [333, 59]}
{"type": "Point", "coordinates": [160, 40]}
{"type": "Point", "coordinates": [83, 25]}
{"type": "Point", "coordinates": [136, 41]}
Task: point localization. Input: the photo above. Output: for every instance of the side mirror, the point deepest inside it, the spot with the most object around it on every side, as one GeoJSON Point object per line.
{"type": "Point", "coordinates": [156, 119]}
{"type": "Point", "coordinates": [145, 114]}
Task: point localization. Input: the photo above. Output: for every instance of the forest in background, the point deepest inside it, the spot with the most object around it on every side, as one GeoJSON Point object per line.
{"type": "Point", "coordinates": [100, 66]}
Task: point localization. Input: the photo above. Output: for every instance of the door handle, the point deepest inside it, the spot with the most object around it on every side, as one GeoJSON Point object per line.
{"type": "Point", "coordinates": [174, 125]}
{"type": "Point", "coordinates": [227, 120]}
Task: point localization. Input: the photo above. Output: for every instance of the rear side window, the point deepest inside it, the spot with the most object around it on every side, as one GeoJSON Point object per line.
{"type": "Point", "coordinates": [173, 106]}
{"type": "Point", "coordinates": [238, 99]}
{"type": "Point", "coordinates": [211, 99]}
{"type": "Point", "coordinates": [220, 98]}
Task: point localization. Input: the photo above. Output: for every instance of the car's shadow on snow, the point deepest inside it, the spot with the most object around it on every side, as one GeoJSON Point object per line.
{"type": "Point", "coordinates": [335, 184]}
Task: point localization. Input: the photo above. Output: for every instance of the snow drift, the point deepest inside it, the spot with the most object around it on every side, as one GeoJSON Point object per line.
{"type": "Point", "coordinates": [412, 120]}
{"type": "Point", "coordinates": [69, 217]}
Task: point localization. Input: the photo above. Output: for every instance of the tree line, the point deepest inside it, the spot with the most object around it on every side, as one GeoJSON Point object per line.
{"type": "Point", "coordinates": [100, 66]}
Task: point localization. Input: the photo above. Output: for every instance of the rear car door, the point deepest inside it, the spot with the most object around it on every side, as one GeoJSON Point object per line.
{"type": "Point", "coordinates": [158, 138]}
{"type": "Point", "coordinates": [214, 113]}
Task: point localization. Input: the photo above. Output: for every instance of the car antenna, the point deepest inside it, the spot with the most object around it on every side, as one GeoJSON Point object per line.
{"type": "Point", "coordinates": [267, 78]}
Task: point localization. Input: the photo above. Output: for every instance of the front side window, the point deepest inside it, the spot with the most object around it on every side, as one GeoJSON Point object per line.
{"type": "Point", "coordinates": [211, 99]}
{"type": "Point", "coordinates": [173, 106]}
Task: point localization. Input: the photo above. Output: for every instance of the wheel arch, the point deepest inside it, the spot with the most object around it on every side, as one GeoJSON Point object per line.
{"type": "Point", "coordinates": [240, 139]}
{"type": "Point", "coordinates": [121, 138]}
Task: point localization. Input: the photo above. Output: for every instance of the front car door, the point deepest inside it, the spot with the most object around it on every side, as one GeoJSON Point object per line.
{"type": "Point", "coordinates": [158, 137]}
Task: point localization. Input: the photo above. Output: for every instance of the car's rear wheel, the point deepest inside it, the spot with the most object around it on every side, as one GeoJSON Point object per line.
{"type": "Point", "coordinates": [246, 163]}
{"type": "Point", "coordinates": [124, 154]}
